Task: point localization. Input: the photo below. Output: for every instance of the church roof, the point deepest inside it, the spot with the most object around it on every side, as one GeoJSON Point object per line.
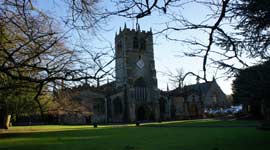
{"type": "Point", "coordinates": [201, 88]}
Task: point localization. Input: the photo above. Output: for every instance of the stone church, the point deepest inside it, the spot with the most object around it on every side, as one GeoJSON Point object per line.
{"type": "Point", "coordinates": [134, 95]}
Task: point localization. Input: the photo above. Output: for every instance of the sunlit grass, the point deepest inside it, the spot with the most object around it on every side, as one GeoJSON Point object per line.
{"type": "Point", "coordinates": [130, 137]}
{"type": "Point", "coordinates": [206, 122]}
{"type": "Point", "coordinates": [51, 128]}
{"type": "Point", "coordinates": [43, 128]}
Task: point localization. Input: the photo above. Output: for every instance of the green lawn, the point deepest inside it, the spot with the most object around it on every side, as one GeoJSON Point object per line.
{"type": "Point", "coordinates": [180, 135]}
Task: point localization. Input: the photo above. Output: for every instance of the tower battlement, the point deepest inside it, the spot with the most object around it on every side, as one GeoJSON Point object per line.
{"type": "Point", "coordinates": [126, 30]}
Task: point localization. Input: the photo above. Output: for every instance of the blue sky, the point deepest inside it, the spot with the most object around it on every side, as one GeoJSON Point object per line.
{"type": "Point", "coordinates": [167, 53]}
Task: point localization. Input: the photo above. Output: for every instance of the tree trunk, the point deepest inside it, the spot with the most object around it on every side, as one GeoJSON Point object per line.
{"type": "Point", "coordinates": [5, 121]}
{"type": "Point", "coordinates": [36, 99]}
{"type": "Point", "coordinates": [40, 110]}
{"type": "Point", "coordinates": [265, 125]}
{"type": "Point", "coordinates": [2, 118]}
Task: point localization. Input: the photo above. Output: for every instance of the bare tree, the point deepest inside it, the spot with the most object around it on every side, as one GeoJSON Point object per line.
{"type": "Point", "coordinates": [212, 28]}
{"type": "Point", "coordinates": [141, 8]}
{"type": "Point", "coordinates": [33, 50]}
{"type": "Point", "coordinates": [176, 78]}
{"type": "Point", "coordinates": [180, 76]}
{"type": "Point", "coordinates": [223, 26]}
{"type": "Point", "coordinates": [233, 30]}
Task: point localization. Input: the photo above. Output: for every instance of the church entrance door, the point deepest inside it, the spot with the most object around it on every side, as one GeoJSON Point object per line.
{"type": "Point", "coordinates": [141, 114]}
{"type": "Point", "coordinates": [162, 105]}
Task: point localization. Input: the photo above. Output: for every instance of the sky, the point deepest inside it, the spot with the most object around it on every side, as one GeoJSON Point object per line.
{"type": "Point", "coordinates": [168, 54]}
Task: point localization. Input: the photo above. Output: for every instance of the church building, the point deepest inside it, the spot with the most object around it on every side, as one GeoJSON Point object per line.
{"type": "Point", "coordinates": [134, 95]}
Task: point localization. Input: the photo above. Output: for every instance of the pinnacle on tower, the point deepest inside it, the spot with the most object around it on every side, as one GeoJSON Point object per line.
{"type": "Point", "coordinates": [214, 79]}
{"type": "Point", "coordinates": [198, 79]}
{"type": "Point", "coordinates": [138, 27]}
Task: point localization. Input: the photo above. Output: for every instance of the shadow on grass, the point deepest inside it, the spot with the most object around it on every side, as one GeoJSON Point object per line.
{"type": "Point", "coordinates": [138, 138]}
{"type": "Point", "coordinates": [71, 139]}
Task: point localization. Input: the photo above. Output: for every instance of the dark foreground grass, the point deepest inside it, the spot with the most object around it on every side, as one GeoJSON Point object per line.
{"type": "Point", "coordinates": [171, 136]}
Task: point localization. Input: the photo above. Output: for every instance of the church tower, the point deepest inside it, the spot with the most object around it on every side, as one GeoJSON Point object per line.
{"type": "Point", "coordinates": [135, 71]}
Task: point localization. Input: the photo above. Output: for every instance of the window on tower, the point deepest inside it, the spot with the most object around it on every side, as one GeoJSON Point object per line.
{"type": "Point", "coordinates": [117, 105]}
{"type": "Point", "coordinates": [140, 90]}
{"type": "Point", "coordinates": [142, 44]}
{"type": "Point", "coordinates": [135, 42]}
{"type": "Point", "coordinates": [119, 45]}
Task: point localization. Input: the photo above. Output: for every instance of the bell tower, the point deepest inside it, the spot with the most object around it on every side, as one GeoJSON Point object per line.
{"type": "Point", "coordinates": [135, 70]}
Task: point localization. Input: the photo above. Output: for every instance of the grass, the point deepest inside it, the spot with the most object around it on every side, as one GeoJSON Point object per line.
{"type": "Point", "coordinates": [233, 135]}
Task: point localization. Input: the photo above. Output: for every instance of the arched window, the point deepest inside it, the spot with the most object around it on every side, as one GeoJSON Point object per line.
{"type": "Point", "coordinates": [117, 105]}
{"type": "Point", "coordinates": [215, 99]}
{"type": "Point", "coordinates": [193, 98]}
{"type": "Point", "coordinates": [119, 45]}
{"type": "Point", "coordinates": [162, 104]}
{"type": "Point", "coordinates": [140, 90]}
{"type": "Point", "coordinates": [142, 44]}
{"type": "Point", "coordinates": [135, 42]}
{"type": "Point", "coordinates": [99, 106]}
{"type": "Point", "coordinates": [119, 49]}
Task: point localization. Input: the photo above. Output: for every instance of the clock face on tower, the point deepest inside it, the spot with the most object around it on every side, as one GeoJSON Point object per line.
{"type": "Point", "coordinates": [140, 63]}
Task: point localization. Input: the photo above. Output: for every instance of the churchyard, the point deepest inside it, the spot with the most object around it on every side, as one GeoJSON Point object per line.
{"type": "Point", "coordinates": [178, 135]}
